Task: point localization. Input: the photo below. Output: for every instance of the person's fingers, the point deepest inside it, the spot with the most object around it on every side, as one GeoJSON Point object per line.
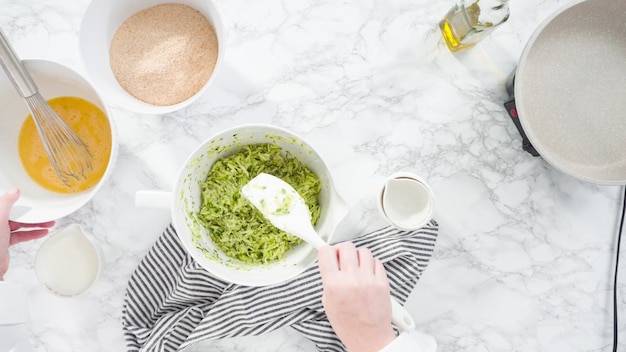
{"type": "Point", "coordinates": [379, 269]}
{"type": "Point", "coordinates": [327, 261]}
{"type": "Point", "coordinates": [14, 225]}
{"type": "Point", "coordinates": [347, 256]}
{"type": "Point", "coordinates": [6, 203]}
{"type": "Point", "coordinates": [366, 260]}
{"type": "Point", "coordinates": [23, 236]}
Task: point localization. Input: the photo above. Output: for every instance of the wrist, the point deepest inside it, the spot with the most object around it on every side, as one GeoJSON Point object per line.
{"type": "Point", "coordinates": [374, 343]}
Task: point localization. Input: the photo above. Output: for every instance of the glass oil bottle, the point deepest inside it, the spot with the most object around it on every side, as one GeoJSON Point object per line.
{"type": "Point", "coordinates": [469, 21]}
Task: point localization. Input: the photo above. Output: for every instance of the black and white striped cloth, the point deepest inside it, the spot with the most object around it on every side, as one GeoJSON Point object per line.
{"type": "Point", "coordinates": [171, 302]}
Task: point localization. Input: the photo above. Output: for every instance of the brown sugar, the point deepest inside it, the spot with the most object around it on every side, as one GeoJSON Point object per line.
{"type": "Point", "coordinates": [164, 54]}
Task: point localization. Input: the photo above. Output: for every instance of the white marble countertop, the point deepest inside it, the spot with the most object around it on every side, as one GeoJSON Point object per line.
{"type": "Point", "coordinates": [525, 255]}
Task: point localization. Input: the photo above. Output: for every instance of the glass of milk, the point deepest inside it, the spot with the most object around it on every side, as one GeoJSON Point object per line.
{"type": "Point", "coordinates": [68, 262]}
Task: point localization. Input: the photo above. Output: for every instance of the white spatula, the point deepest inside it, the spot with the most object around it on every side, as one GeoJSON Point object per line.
{"type": "Point", "coordinates": [283, 206]}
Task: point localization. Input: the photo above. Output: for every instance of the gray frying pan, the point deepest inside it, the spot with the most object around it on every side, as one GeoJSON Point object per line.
{"type": "Point", "coordinates": [570, 90]}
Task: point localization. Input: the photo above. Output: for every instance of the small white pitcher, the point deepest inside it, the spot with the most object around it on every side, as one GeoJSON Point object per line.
{"type": "Point", "coordinates": [406, 201]}
{"type": "Point", "coordinates": [68, 262]}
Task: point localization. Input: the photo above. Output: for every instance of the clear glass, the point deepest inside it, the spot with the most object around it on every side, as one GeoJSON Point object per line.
{"type": "Point", "coordinates": [469, 21]}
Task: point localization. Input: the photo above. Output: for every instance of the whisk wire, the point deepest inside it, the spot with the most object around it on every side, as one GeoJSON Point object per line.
{"type": "Point", "coordinates": [68, 154]}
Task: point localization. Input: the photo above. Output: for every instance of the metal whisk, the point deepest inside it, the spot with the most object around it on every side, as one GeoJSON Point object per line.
{"type": "Point", "coordinates": [68, 155]}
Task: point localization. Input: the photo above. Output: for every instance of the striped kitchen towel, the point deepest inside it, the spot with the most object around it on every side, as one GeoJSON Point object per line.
{"type": "Point", "coordinates": [171, 302]}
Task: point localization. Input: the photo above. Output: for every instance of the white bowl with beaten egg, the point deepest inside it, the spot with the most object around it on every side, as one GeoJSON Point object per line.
{"type": "Point", "coordinates": [186, 199]}
{"type": "Point", "coordinates": [101, 23]}
{"type": "Point", "coordinates": [38, 203]}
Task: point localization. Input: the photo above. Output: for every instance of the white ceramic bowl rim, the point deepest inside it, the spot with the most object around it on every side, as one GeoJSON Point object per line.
{"type": "Point", "coordinates": [37, 204]}
{"type": "Point", "coordinates": [187, 202]}
{"type": "Point", "coordinates": [100, 22]}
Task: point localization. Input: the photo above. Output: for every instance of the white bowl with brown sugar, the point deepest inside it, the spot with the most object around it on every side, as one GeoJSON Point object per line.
{"type": "Point", "coordinates": [151, 57]}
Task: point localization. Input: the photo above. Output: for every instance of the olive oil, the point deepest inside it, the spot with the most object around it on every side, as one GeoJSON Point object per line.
{"type": "Point", "coordinates": [469, 21]}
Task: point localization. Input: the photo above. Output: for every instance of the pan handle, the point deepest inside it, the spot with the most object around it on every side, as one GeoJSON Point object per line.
{"type": "Point", "coordinates": [511, 109]}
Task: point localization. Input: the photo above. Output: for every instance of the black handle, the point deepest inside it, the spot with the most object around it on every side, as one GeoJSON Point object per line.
{"type": "Point", "coordinates": [511, 109]}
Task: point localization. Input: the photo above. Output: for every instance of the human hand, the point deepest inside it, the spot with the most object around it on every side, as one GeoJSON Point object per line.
{"type": "Point", "coordinates": [356, 297]}
{"type": "Point", "coordinates": [12, 232]}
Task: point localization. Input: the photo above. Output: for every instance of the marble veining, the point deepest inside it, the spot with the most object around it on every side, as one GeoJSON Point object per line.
{"type": "Point", "coordinates": [525, 255]}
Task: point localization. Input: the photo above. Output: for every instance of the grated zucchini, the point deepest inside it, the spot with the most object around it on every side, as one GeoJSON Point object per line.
{"type": "Point", "coordinates": [234, 224]}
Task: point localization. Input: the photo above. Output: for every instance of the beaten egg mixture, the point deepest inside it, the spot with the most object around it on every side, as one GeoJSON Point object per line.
{"type": "Point", "coordinates": [92, 127]}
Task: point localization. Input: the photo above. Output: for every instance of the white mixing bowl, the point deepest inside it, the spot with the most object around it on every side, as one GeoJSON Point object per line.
{"type": "Point", "coordinates": [36, 204]}
{"type": "Point", "coordinates": [100, 23]}
{"type": "Point", "coordinates": [186, 200]}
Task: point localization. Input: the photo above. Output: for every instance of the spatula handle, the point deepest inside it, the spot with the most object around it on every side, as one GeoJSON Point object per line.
{"type": "Point", "coordinates": [400, 317]}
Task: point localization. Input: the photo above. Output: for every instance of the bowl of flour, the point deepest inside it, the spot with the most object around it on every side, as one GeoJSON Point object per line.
{"type": "Point", "coordinates": [151, 57]}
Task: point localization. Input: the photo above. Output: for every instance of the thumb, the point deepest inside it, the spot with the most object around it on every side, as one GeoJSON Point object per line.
{"type": "Point", "coordinates": [6, 203]}
{"type": "Point", "coordinates": [327, 261]}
